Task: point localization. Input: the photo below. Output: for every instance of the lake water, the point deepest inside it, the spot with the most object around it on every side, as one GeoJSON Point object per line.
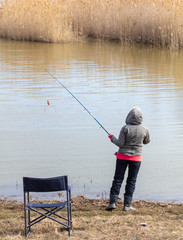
{"type": "Point", "coordinates": [41, 140]}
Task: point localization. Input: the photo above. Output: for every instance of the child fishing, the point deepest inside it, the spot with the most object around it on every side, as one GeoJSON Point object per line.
{"type": "Point", "coordinates": [131, 139]}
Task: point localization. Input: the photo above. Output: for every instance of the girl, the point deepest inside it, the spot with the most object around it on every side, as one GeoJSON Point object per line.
{"type": "Point", "coordinates": [131, 139]}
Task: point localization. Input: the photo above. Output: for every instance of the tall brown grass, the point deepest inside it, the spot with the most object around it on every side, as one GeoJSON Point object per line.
{"type": "Point", "coordinates": [36, 20]}
{"type": "Point", "coordinates": [156, 22]}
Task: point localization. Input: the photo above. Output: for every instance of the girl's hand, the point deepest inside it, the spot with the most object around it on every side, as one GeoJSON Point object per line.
{"type": "Point", "coordinates": [110, 135]}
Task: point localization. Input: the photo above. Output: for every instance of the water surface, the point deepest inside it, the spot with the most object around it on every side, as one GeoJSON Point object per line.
{"type": "Point", "coordinates": [41, 140]}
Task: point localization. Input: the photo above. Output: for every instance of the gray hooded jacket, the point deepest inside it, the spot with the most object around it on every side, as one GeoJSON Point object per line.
{"type": "Point", "coordinates": [133, 135]}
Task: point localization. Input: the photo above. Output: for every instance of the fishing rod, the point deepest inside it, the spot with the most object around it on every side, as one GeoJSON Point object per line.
{"type": "Point", "coordinates": [76, 99]}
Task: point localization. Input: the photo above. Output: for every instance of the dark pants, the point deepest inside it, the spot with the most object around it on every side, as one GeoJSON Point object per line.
{"type": "Point", "coordinates": [133, 169]}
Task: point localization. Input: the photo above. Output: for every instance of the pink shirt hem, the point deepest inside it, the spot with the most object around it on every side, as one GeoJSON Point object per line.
{"type": "Point", "coordinates": [130, 158]}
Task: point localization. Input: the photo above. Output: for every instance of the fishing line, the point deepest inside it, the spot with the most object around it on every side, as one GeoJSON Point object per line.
{"type": "Point", "coordinates": [76, 99]}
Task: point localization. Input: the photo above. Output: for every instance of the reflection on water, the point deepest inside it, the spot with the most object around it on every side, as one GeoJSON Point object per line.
{"type": "Point", "coordinates": [109, 79]}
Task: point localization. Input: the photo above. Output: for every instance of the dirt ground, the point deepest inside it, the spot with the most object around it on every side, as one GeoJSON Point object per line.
{"type": "Point", "coordinates": [91, 221]}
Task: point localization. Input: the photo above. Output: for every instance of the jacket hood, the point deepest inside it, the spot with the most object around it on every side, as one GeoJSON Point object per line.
{"type": "Point", "coordinates": [134, 117]}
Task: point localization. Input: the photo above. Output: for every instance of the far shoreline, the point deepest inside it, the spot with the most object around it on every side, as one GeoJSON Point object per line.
{"type": "Point", "coordinates": [147, 23]}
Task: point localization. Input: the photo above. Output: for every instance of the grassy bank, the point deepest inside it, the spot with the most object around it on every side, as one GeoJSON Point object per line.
{"type": "Point", "coordinates": [157, 22]}
{"type": "Point", "coordinates": [91, 221]}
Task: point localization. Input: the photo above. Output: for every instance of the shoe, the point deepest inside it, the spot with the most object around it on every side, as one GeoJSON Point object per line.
{"type": "Point", "coordinates": [110, 207]}
{"type": "Point", "coordinates": [125, 208]}
{"type": "Point", "coordinates": [127, 204]}
{"type": "Point", "coordinates": [112, 202]}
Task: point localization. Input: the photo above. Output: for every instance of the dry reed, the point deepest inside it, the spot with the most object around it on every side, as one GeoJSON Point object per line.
{"type": "Point", "coordinates": [35, 20]}
{"type": "Point", "coordinates": [155, 22]}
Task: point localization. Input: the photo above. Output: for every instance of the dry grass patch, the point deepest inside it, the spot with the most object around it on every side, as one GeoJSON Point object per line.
{"type": "Point", "coordinates": [157, 22]}
{"type": "Point", "coordinates": [35, 20]}
{"type": "Point", "coordinates": [91, 221]}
